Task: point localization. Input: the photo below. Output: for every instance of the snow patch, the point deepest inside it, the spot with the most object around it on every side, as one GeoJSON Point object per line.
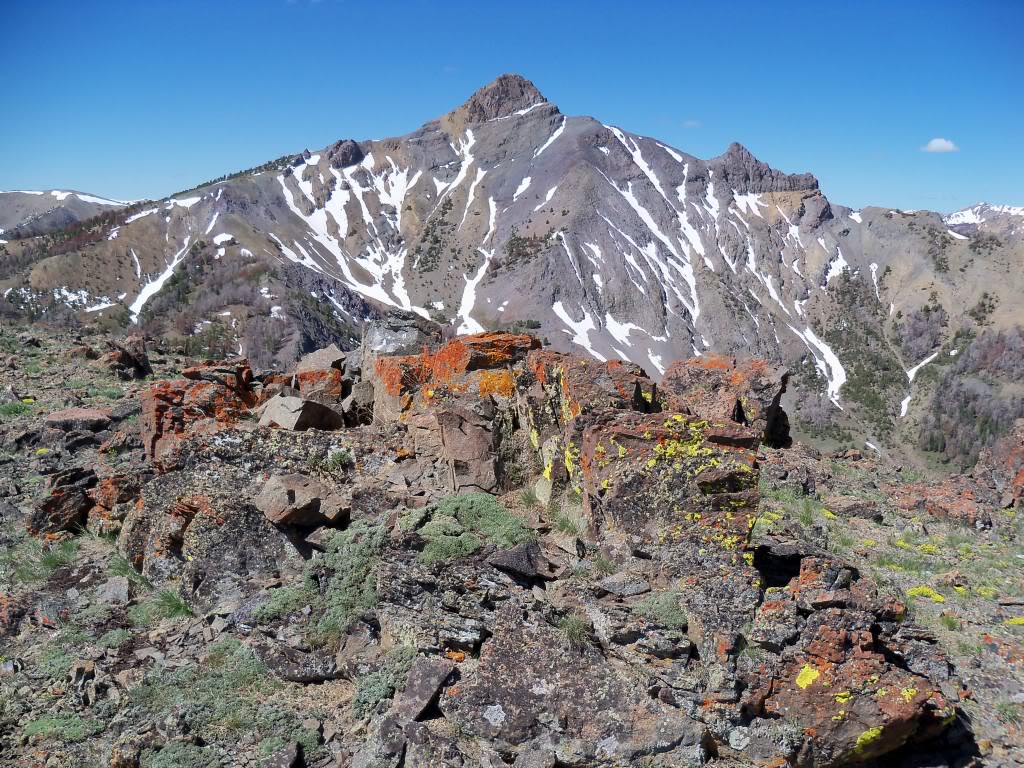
{"type": "Point", "coordinates": [468, 324]}
{"type": "Point", "coordinates": [826, 362]}
{"type": "Point", "coordinates": [580, 330]}
{"type": "Point", "coordinates": [523, 186]}
{"type": "Point", "coordinates": [547, 198]}
{"type": "Point", "coordinates": [550, 141]}
{"type": "Point", "coordinates": [151, 289]}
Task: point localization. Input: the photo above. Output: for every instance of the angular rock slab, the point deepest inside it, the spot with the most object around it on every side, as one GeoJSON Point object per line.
{"type": "Point", "coordinates": [295, 499]}
{"type": "Point", "coordinates": [297, 414]}
{"type": "Point", "coordinates": [668, 477]}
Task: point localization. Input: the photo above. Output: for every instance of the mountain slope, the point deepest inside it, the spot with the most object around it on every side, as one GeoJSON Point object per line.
{"type": "Point", "coordinates": [32, 213]}
{"type": "Point", "coordinates": [505, 211]}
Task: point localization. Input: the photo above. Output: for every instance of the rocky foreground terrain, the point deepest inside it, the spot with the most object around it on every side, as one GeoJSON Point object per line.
{"type": "Point", "coordinates": [483, 552]}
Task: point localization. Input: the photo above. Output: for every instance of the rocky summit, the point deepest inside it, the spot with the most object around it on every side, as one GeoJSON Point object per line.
{"type": "Point", "coordinates": [426, 550]}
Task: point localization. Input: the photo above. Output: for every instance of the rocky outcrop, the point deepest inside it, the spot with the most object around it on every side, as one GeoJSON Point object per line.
{"type": "Point", "coordinates": [748, 392]}
{"type": "Point", "coordinates": [501, 98]}
{"type": "Point", "coordinates": [415, 603]}
{"type": "Point", "coordinates": [744, 173]}
{"type": "Point", "coordinates": [1001, 468]}
{"type": "Point", "coordinates": [128, 358]}
{"type": "Point", "coordinates": [66, 503]}
{"type": "Point", "coordinates": [210, 395]}
{"type": "Point", "coordinates": [218, 550]}
{"type": "Point", "coordinates": [529, 680]}
{"type": "Point", "coordinates": [651, 475]}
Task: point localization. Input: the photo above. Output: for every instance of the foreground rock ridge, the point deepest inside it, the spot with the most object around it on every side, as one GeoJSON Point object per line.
{"type": "Point", "coordinates": [506, 214]}
{"type": "Point", "coordinates": [480, 551]}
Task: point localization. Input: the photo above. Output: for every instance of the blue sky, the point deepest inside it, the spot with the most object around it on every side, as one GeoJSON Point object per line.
{"type": "Point", "coordinates": [143, 98]}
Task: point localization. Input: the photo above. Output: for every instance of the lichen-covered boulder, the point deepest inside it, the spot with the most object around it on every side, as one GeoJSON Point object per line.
{"type": "Point", "coordinates": [661, 476]}
{"type": "Point", "coordinates": [748, 392]}
{"type": "Point", "coordinates": [531, 679]}
{"type": "Point", "coordinates": [209, 396]}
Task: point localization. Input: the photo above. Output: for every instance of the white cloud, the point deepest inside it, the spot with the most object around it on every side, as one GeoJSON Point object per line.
{"type": "Point", "coordinates": [691, 123]}
{"type": "Point", "coordinates": [940, 145]}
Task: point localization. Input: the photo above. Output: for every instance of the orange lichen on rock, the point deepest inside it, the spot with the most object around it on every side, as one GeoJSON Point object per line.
{"type": "Point", "coordinates": [498, 382]}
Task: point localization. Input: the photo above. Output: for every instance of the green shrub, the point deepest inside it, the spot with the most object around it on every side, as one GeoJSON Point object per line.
{"type": "Point", "coordinates": [31, 560]}
{"type": "Point", "coordinates": [180, 754]}
{"type": "Point", "coordinates": [63, 728]}
{"type": "Point", "coordinates": [1010, 712]}
{"type": "Point", "coordinates": [340, 459]}
{"type": "Point", "coordinates": [220, 695]}
{"type": "Point", "coordinates": [381, 684]}
{"type": "Point", "coordinates": [9, 410]}
{"type": "Point", "coordinates": [349, 560]}
{"type": "Point", "coordinates": [54, 663]}
{"type": "Point", "coordinates": [119, 566]}
{"type": "Point", "coordinates": [346, 567]}
{"type": "Point", "coordinates": [282, 602]}
{"type": "Point", "coordinates": [568, 523]}
{"type": "Point", "coordinates": [663, 608]}
{"type": "Point", "coordinates": [109, 393]}
{"type": "Point", "coordinates": [115, 638]}
{"type": "Point", "coordinates": [458, 526]}
{"type": "Point", "coordinates": [604, 566]}
{"type": "Point", "coordinates": [163, 604]}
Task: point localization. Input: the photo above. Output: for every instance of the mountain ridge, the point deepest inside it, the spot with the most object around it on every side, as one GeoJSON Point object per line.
{"type": "Point", "coordinates": [506, 212]}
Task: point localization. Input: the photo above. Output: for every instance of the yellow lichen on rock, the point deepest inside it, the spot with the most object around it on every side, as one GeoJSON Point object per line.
{"type": "Point", "coordinates": [807, 676]}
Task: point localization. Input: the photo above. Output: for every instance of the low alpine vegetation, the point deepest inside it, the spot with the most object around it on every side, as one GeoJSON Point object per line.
{"type": "Point", "coordinates": [458, 526]}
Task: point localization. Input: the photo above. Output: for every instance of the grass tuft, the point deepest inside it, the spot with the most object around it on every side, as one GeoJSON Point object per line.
{"type": "Point", "coordinates": [575, 632]}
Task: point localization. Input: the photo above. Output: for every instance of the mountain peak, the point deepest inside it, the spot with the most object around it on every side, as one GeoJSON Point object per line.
{"type": "Point", "coordinates": [504, 96]}
{"type": "Point", "coordinates": [746, 173]}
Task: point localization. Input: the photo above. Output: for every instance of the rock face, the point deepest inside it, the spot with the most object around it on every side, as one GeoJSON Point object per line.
{"type": "Point", "coordinates": [208, 396]}
{"type": "Point", "coordinates": [1001, 468]}
{"type": "Point", "coordinates": [66, 503]}
{"type": "Point", "coordinates": [748, 392]}
{"type": "Point", "coordinates": [527, 676]}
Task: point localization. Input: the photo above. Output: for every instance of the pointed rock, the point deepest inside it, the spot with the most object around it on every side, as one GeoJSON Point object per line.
{"type": "Point", "coordinates": [505, 96]}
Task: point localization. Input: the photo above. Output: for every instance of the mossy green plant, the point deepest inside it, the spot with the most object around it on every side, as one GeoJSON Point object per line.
{"type": "Point", "coordinates": [346, 567]}
{"type": "Point", "coordinates": [663, 608]}
{"type": "Point", "coordinates": [66, 728]}
{"type": "Point", "coordinates": [457, 526]}
{"type": "Point", "coordinates": [114, 638]}
{"type": "Point", "coordinates": [381, 684]}
{"type": "Point", "coordinates": [180, 754]}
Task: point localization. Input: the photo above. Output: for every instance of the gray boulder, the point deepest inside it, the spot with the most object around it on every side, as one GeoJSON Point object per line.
{"type": "Point", "coordinates": [328, 357]}
{"type": "Point", "coordinates": [296, 499]}
{"type": "Point", "coordinates": [298, 414]}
